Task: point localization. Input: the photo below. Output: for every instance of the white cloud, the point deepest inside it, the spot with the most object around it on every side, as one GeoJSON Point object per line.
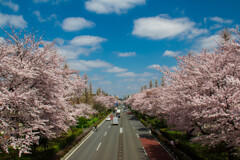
{"type": "Point", "coordinates": [71, 52]}
{"type": "Point", "coordinates": [143, 79]}
{"type": "Point", "coordinates": [112, 6]}
{"type": "Point", "coordinates": [59, 41]}
{"type": "Point", "coordinates": [154, 66]}
{"type": "Point", "coordinates": [104, 82]}
{"type": "Point", "coordinates": [40, 1]}
{"type": "Point", "coordinates": [87, 40]}
{"type": "Point", "coordinates": [80, 45]}
{"type": "Point", "coordinates": [76, 23]}
{"type": "Point", "coordinates": [221, 20]}
{"type": "Point", "coordinates": [85, 65]}
{"type": "Point", "coordinates": [133, 87]}
{"type": "Point", "coordinates": [132, 74]}
{"type": "Point", "coordinates": [127, 80]}
{"type": "Point", "coordinates": [127, 54]}
{"type": "Point", "coordinates": [96, 77]}
{"type": "Point", "coordinates": [116, 70]}
{"type": "Point", "coordinates": [161, 27]}
{"type": "Point", "coordinates": [41, 19]}
{"type": "Point", "coordinates": [10, 4]}
{"type": "Point", "coordinates": [52, 1]}
{"type": "Point", "coordinates": [126, 74]}
{"type": "Point", "coordinates": [205, 20]}
{"type": "Point", "coordinates": [207, 42]}
{"type": "Point", "coordinates": [216, 26]}
{"type": "Point", "coordinates": [145, 74]}
{"type": "Point", "coordinates": [13, 20]}
{"type": "Point", "coordinates": [96, 63]}
{"type": "Point", "coordinates": [196, 32]}
{"type": "Point", "coordinates": [1, 39]}
{"type": "Point", "coordinates": [157, 67]}
{"type": "Point", "coordinates": [171, 53]}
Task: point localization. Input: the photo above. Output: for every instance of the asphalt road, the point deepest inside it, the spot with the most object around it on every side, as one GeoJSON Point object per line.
{"type": "Point", "coordinates": [113, 142]}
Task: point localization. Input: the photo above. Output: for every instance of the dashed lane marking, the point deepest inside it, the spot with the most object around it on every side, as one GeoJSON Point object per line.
{"type": "Point", "coordinates": [98, 146]}
{"type": "Point", "coordinates": [105, 134]}
{"type": "Point", "coordinates": [121, 130]}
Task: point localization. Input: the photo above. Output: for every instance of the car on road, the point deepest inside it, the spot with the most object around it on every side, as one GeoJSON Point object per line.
{"type": "Point", "coordinates": [129, 112]}
{"type": "Point", "coordinates": [118, 115]}
{"type": "Point", "coordinates": [108, 119]}
{"type": "Point", "coordinates": [115, 121]}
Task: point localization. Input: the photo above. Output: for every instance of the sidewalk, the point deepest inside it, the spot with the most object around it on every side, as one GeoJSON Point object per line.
{"type": "Point", "coordinates": [154, 150]}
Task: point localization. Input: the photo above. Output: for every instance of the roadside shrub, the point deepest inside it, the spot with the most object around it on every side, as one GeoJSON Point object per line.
{"type": "Point", "coordinates": [99, 107]}
{"type": "Point", "coordinates": [82, 121]}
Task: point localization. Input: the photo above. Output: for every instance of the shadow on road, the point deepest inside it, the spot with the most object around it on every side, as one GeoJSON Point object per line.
{"type": "Point", "coordinates": [133, 118]}
{"type": "Point", "coordinates": [148, 136]}
{"type": "Point", "coordinates": [143, 129]}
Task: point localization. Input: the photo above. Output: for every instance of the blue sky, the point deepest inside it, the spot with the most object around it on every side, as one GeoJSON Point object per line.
{"type": "Point", "coordinates": [117, 42]}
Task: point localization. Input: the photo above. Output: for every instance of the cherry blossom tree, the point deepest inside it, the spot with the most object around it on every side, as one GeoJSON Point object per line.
{"type": "Point", "coordinates": [204, 95]}
{"type": "Point", "coordinates": [84, 110]}
{"type": "Point", "coordinates": [107, 101]}
{"type": "Point", "coordinates": [201, 96]}
{"type": "Point", "coordinates": [148, 102]}
{"type": "Point", "coordinates": [35, 90]}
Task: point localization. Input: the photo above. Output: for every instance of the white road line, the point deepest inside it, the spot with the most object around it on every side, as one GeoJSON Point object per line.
{"type": "Point", "coordinates": [105, 134]}
{"type": "Point", "coordinates": [98, 146]}
{"type": "Point", "coordinates": [84, 140]}
{"type": "Point", "coordinates": [121, 130]}
{"type": "Point", "coordinates": [144, 151]}
{"type": "Point", "coordinates": [108, 126]}
{"type": "Point", "coordinates": [137, 135]}
{"type": "Point", "coordinates": [79, 145]}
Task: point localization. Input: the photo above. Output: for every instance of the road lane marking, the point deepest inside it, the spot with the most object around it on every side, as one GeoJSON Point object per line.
{"type": "Point", "coordinates": [99, 146]}
{"type": "Point", "coordinates": [84, 140]}
{"type": "Point", "coordinates": [109, 126]}
{"type": "Point", "coordinates": [105, 134]}
{"type": "Point", "coordinates": [120, 147]}
{"type": "Point", "coordinates": [121, 130]}
{"type": "Point", "coordinates": [137, 135]}
{"type": "Point", "coordinates": [144, 151]}
{"type": "Point", "coordinates": [79, 145]}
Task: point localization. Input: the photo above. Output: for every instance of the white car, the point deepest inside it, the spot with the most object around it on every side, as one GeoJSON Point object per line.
{"type": "Point", "coordinates": [115, 121]}
{"type": "Point", "coordinates": [108, 119]}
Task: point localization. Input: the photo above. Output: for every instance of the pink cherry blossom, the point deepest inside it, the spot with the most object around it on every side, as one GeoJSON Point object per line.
{"type": "Point", "coordinates": [201, 96]}
{"type": "Point", "coordinates": [107, 101]}
{"type": "Point", "coordinates": [35, 89]}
